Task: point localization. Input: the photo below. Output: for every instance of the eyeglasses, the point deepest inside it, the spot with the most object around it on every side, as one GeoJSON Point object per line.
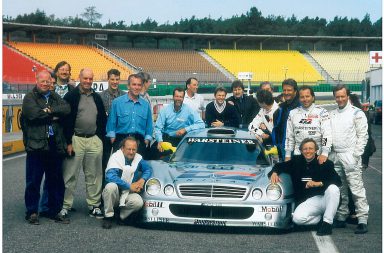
{"type": "Point", "coordinates": [45, 82]}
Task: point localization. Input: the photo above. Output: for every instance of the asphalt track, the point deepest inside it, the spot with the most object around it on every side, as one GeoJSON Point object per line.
{"type": "Point", "coordinates": [84, 234]}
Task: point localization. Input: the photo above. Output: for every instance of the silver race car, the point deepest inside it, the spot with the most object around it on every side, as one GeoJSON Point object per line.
{"type": "Point", "coordinates": [218, 177]}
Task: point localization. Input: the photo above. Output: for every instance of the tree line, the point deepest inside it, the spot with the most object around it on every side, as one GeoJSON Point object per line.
{"type": "Point", "coordinates": [252, 22]}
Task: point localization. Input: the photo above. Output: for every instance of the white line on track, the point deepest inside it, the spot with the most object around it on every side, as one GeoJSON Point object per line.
{"type": "Point", "coordinates": [325, 243]}
{"type": "Point", "coordinates": [375, 169]}
{"type": "Point", "coordinates": [13, 157]}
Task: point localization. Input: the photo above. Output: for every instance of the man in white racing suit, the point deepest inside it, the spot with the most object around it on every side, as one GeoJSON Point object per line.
{"type": "Point", "coordinates": [308, 121]}
{"type": "Point", "coordinates": [262, 124]}
{"type": "Point", "coordinates": [350, 134]}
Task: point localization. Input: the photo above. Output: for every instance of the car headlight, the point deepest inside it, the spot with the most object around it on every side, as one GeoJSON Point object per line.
{"type": "Point", "coordinates": [274, 191]}
{"type": "Point", "coordinates": [153, 186]}
{"type": "Point", "coordinates": [257, 194]}
{"type": "Point", "coordinates": [168, 190]}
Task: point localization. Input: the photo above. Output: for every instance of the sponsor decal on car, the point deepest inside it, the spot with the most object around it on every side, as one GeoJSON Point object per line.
{"type": "Point", "coordinates": [156, 219]}
{"type": "Point", "coordinates": [153, 204]}
{"type": "Point", "coordinates": [267, 223]}
{"type": "Point", "coordinates": [271, 209]}
{"type": "Point", "coordinates": [210, 222]}
{"type": "Point", "coordinates": [217, 140]}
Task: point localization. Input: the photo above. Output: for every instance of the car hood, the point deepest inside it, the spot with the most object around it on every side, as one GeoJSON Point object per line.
{"type": "Point", "coordinates": [198, 173]}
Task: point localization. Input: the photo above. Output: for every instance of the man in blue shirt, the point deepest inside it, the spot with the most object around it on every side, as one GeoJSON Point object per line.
{"type": "Point", "coordinates": [126, 174]}
{"type": "Point", "coordinates": [130, 115]}
{"type": "Point", "coordinates": [175, 120]}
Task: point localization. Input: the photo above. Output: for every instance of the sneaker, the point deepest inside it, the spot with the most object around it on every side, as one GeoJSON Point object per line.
{"type": "Point", "coordinates": [107, 222]}
{"type": "Point", "coordinates": [96, 212]}
{"type": "Point", "coordinates": [339, 224]}
{"type": "Point", "coordinates": [62, 217]}
{"type": "Point", "coordinates": [324, 229]}
{"type": "Point", "coordinates": [361, 228]}
{"type": "Point", "coordinates": [33, 219]}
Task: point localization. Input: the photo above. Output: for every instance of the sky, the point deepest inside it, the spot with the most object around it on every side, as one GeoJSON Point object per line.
{"type": "Point", "coordinates": [170, 11]}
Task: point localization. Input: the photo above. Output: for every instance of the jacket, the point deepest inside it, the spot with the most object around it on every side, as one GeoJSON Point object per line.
{"type": "Point", "coordinates": [299, 169]}
{"type": "Point", "coordinates": [280, 118]}
{"type": "Point", "coordinates": [349, 130]}
{"type": "Point", "coordinates": [265, 117]}
{"type": "Point", "coordinates": [247, 108]}
{"type": "Point", "coordinates": [312, 122]}
{"type": "Point", "coordinates": [73, 99]}
{"type": "Point", "coordinates": [35, 122]}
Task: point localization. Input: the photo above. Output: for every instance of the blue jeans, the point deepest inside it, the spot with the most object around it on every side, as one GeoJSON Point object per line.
{"type": "Point", "coordinates": [37, 164]}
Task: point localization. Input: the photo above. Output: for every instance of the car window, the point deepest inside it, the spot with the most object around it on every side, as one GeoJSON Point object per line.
{"type": "Point", "coordinates": [219, 151]}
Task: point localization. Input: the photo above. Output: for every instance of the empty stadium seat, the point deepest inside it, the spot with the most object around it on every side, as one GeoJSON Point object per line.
{"type": "Point", "coordinates": [167, 65]}
{"type": "Point", "coordinates": [347, 66]}
{"type": "Point", "coordinates": [267, 65]}
{"type": "Point", "coordinates": [79, 56]}
{"type": "Point", "coordinates": [17, 69]}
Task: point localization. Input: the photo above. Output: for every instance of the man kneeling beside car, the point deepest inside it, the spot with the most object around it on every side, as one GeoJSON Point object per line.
{"type": "Point", "coordinates": [125, 175]}
{"type": "Point", "coordinates": [316, 187]}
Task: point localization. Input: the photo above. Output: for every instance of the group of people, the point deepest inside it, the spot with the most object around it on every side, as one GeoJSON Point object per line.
{"type": "Point", "coordinates": [110, 135]}
{"type": "Point", "coordinates": [321, 150]}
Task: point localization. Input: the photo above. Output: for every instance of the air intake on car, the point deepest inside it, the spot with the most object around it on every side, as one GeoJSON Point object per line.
{"type": "Point", "coordinates": [212, 191]}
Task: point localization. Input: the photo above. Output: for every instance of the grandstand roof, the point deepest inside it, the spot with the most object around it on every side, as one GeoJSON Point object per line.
{"type": "Point", "coordinates": [12, 27]}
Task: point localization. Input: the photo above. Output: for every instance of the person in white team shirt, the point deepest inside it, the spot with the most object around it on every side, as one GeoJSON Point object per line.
{"type": "Point", "coordinates": [192, 99]}
{"type": "Point", "coordinates": [308, 121]}
{"type": "Point", "coordinates": [262, 124]}
{"type": "Point", "coordinates": [350, 135]}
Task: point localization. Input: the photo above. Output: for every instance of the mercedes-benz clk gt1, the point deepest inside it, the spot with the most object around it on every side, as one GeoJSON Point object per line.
{"type": "Point", "coordinates": [218, 177]}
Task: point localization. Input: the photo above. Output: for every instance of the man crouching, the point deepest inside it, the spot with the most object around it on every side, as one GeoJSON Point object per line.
{"type": "Point", "coordinates": [125, 176]}
{"type": "Point", "coordinates": [316, 187]}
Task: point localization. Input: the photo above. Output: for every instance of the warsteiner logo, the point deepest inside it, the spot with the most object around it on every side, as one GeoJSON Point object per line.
{"type": "Point", "coordinates": [272, 209]}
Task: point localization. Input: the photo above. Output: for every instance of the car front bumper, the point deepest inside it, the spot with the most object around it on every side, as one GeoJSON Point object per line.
{"type": "Point", "coordinates": [219, 214]}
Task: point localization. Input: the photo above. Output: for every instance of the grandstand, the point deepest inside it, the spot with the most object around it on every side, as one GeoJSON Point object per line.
{"type": "Point", "coordinates": [343, 66]}
{"type": "Point", "coordinates": [172, 65]}
{"type": "Point", "coordinates": [79, 56]}
{"type": "Point", "coordinates": [17, 68]}
{"type": "Point", "coordinates": [270, 65]}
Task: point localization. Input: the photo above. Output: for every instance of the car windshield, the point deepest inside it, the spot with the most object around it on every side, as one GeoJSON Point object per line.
{"type": "Point", "coordinates": [219, 151]}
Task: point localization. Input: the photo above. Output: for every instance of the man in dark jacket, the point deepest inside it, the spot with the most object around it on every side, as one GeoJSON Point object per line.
{"type": "Point", "coordinates": [45, 145]}
{"type": "Point", "coordinates": [246, 106]}
{"type": "Point", "coordinates": [316, 187]}
{"type": "Point", "coordinates": [84, 129]}
{"type": "Point", "coordinates": [280, 116]}
{"type": "Point", "coordinates": [219, 113]}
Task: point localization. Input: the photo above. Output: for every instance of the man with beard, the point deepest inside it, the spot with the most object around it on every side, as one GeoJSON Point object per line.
{"type": "Point", "coordinates": [63, 84]}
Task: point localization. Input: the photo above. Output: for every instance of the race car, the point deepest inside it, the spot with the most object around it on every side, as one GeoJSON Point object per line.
{"type": "Point", "coordinates": [218, 177]}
